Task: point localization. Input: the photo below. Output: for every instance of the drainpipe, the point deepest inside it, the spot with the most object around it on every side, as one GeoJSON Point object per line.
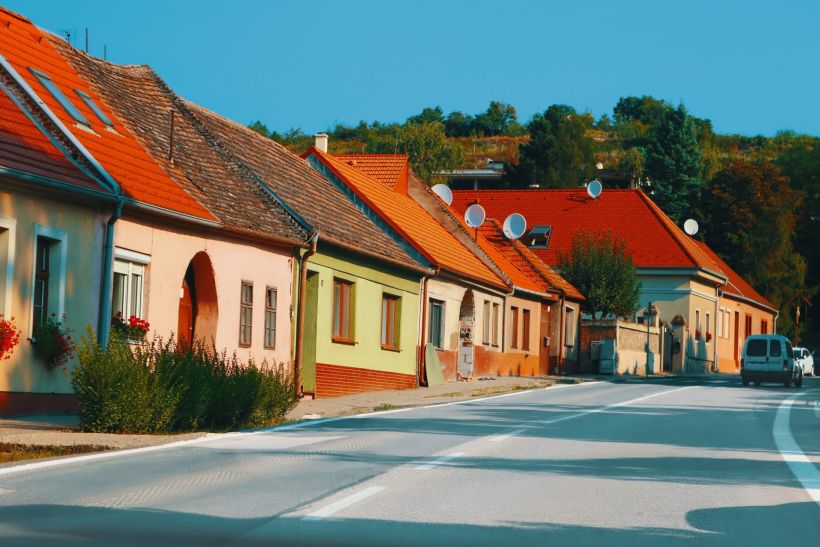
{"type": "Point", "coordinates": [300, 312]}
{"type": "Point", "coordinates": [104, 320]}
{"type": "Point", "coordinates": [716, 335]}
{"type": "Point", "coordinates": [561, 336]}
{"type": "Point", "coordinates": [774, 325]}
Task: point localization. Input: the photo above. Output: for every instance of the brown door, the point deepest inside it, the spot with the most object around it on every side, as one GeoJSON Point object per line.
{"type": "Point", "coordinates": [737, 336]}
{"type": "Point", "coordinates": [185, 329]}
{"type": "Point", "coordinates": [543, 346]}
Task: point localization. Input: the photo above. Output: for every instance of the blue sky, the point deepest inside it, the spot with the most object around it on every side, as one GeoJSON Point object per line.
{"type": "Point", "coordinates": [749, 66]}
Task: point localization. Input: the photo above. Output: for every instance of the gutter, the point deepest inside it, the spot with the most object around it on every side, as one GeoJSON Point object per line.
{"type": "Point", "coordinates": [58, 185]}
{"type": "Point", "coordinates": [300, 312]}
{"type": "Point", "coordinates": [370, 254]}
{"type": "Point", "coordinates": [104, 320]}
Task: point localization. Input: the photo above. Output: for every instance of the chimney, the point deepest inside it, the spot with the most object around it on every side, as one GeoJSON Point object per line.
{"type": "Point", "coordinates": [321, 141]}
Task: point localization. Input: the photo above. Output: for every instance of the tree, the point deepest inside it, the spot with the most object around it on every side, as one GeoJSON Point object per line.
{"type": "Point", "coordinates": [497, 119]}
{"type": "Point", "coordinates": [426, 145]}
{"type": "Point", "coordinates": [601, 268]}
{"type": "Point", "coordinates": [559, 153]}
{"type": "Point", "coordinates": [260, 128]}
{"type": "Point", "coordinates": [428, 115]}
{"type": "Point", "coordinates": [751, 217]}
{"type": "Point", "coordinates": [674, 163]}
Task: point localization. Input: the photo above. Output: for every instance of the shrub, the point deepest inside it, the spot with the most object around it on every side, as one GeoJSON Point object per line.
{"type": "Point", "coordinates": [9, 337]}
{"type": "Point", "coordinates": [159, 387]}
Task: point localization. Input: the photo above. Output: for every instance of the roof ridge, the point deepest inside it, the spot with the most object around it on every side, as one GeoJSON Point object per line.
{"type": "Point", "coordinates": [182, 105]}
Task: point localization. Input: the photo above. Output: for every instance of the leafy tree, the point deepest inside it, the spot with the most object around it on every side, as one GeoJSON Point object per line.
{"type": "Point", "coordinates": [601, 268]}
{"type": "Point", "coordinates": [559, 153]}
{"type": "Point", "coordinates": [426, 145]}
{"type": "Point", "coordinates": [674, 163]}
{"type": "Point", "coordinates": [458, 124]}
{"type": "Point", "coordinates": [260, 128]}
{"type": "Point", "coordinates": [498, 119]}
{"type": "Point", "coordinates": [751, 217]}
{"type": "Point", "coordinates": [428, 115]}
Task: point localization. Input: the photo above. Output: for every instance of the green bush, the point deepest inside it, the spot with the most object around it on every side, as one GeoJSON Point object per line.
{"type": "Point", "coordinates": [158, 388]}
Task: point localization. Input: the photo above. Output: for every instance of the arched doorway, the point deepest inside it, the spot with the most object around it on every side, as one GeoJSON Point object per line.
{"type": "Point", "coordinates": [466, 324]}
{"type": "Point", "coordinates": [198, 309]}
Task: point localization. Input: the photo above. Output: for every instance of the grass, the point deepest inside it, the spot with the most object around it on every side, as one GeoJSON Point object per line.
{"type": "Point", "coordinates": [385, 406]}
{"type": "Point", "coordinates": [12, 452]}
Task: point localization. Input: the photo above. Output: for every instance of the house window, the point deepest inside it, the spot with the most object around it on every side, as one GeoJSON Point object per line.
{"type": "Point", "coordinates": [539, 237]}
{"type": "Point", "coordinates": [569, 327]}
{"type": "Point", "coordinates": [764, 326]}
{"type": "Point", "coordinates": [708, 324]}
{"type": "Point", "coordinates": [128, 289]}
{"type": "Point", "coordinates": [246, 314]}
{"type": "Point", "coordinates": [89, 102]}
{"type": "Point", "coordinates": [52, 88]}
{"type": "Point", "coordinates": [514, 327]}
{"type": "Point", "coordinates": [748, 325]}
{"type": "Point", "coordinates": [42, 273]}
{"type": "Point", "coordinates": [525, 320]}
{"type": "Point", "coordinates": [342, 310]}
{"type": "Point", "coordinates": [270, 317]}
{"type": "Point", "coordinates": [719, 325]}
{"type": "Point", "coordinates": [726, 323]}
{"type": "Point", "coordinates": [7, 243]}
{"type": "Point", "coordinates": [486, 330]}
{"type": "Point", "coordinates": [435, 322]}
{"type": "Point", "coordinates": [496, 312]}
{"type": "Point", "coordinates": [390, 321]}
{"type": "Point", "coordinates": [697, 320]}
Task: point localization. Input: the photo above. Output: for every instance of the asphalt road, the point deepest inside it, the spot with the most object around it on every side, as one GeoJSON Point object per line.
{"type": "Point", "coordinates": [631, 463]}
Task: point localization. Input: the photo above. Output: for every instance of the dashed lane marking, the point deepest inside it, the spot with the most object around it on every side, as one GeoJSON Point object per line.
{"type": "Point", "coordinates": [343, 503]}
{"type": "Point", "coordinates": [440, 461]}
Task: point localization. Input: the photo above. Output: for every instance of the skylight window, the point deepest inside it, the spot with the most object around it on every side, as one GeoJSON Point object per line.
{"type": "Point", "coordinates": [89, 102]}
{"type": "Point", "coordinates": [540, 237]}
{"type": "Point", "coordinates": [62, 99]}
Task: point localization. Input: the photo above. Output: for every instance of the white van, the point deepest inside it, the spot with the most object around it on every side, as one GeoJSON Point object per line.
{"type": "Point", "coordinates": [769, 358]}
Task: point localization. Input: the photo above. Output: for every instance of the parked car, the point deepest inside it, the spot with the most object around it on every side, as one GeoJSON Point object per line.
{"type": "Point", "coordinates": [769, 358]}
{"type": "Point", "coordinates": [805, 360]}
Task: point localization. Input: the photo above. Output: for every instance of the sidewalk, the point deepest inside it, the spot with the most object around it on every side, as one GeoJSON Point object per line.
{"type": "Point", "coordinates": [60, 430]}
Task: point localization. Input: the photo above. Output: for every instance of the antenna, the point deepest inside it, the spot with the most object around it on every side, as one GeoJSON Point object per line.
{"type": "Point", "coordinates": [474, 215]}
{"type": "Point", "coordinates": [690, 226]}
{"type": "Point", "coordinates": [443, 191]}
{"type": "Point", "coordinates": [595, 188]}
{"type": "Point", "coordinates": [514, 226]}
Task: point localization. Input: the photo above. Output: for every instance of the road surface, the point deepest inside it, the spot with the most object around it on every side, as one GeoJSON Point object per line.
{"type": "Point", "coordinates": [623, 463]}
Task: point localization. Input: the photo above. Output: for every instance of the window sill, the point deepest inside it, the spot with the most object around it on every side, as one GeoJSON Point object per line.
{"type": "Point", "coordinates": [345, 341]}
{"type": "Point", "coordinates": [391, 348]}
{"type": "Point", "coordinates": [245, 345]}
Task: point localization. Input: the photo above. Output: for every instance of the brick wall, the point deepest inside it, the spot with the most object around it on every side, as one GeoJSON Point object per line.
{"type": "Point", "coordinates": [334, 380]}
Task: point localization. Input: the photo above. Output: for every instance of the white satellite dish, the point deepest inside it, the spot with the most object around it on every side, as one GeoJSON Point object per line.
{"type": "Point", "coordinates": [594, 189]}
{"type": "Point", "coordinates": [474, 215]}
{"type": "Point", "coordinates": [514, 226]}
{"type": "Point", "coordinates": [690, 226]}
{"type": "Point", "coordinates": [443, 191]}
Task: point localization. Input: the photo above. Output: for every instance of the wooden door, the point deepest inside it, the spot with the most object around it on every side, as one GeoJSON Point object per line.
{"type": "Point", "coordinates": [543, 344]}
{"type": "Point", "coordinates": [185, 328]}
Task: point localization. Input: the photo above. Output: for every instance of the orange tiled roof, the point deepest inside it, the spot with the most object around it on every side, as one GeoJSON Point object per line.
{"type": "Point", "coordinates": [389, 169]}
{"type": "Point", "coordinates": [527, 262]}
{"type": "Point", "coordinates": [25, 47]}
{"type": "Point", "coordinates": [23, 147]}
{"type": "Point", "coordinates": [736, 286]}
{"type": "Point", "coordinates": [413, 223]}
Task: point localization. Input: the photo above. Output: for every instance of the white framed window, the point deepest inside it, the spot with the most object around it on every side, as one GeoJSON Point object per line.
{"type": "Point", "coordinates": [719, 326]}
{"type": "Point", "coordinates": [726, 322]}
{"type": "Point", "coordinates": [50, 252]}
{"type": "Point", "coordinates": [128, 289]}
{"type": "Point", "coordinates": [697, 321]}
{"type": "Point", "coordinates": [8, 237]}
{"type": "Point", "coordinates": [270, 317]}
{"type": "Point", "coordinates": [486, 327]}
{"type": "Point", "coordinates": [569, 327]}
{"type": "Point", "coordinates": [708, 326]}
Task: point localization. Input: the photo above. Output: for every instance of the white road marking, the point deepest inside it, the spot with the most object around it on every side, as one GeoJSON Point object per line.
{"type": "Point", "coordinates": [817, 409]}
{"type": "Point", "coordinates": [440, 461]}
{"type": "Point", "coordinates": [36, 466]}
{"type": "Point", "coordinates": [616, 405]}
{"type": "Point", "coordinates": [343, 503]}
{"type": "Point", "coordinates": [505, 436]}
{"type": "Point", "coordinates": [802, 468]}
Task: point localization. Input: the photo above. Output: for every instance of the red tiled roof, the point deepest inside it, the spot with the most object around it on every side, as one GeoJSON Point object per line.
{"type": "Point", "coordinates": [413, 223]}
{"type": "Point", "coordinates": [527, 262]}
{"type": "Point", "coordinates": [653, 240]}
{"type": "Point", "coordinates": [736, 286]}
{"type": "Point", "coordinates": [26, 47]}
{"type": "Point", "coordinates": [23, 147]}
{"type": "Point", "coordinates": [389, 169]}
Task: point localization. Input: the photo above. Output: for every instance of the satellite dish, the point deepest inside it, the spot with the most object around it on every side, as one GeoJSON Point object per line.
{"type": "Point", "coordinates": [474, 215]}
{"type": "Point", "coordinates": [690, 226]}
{"type": "Point", "coordinates": [594, 189]}
{"type": "Point", "coordinates": [514, 226]}
{"type": "Point", "coordinates": [443, 191]}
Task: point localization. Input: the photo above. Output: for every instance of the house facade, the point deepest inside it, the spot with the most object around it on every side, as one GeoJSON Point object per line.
{"type": "Point", "coordinates": [679, 276]}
